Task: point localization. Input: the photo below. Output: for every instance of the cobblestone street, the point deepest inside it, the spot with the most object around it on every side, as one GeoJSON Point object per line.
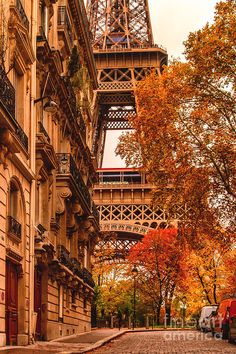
{"type": "Point", "coordinates": [146, 342]}
{"type": "Point", "coordinates": [167, 342]}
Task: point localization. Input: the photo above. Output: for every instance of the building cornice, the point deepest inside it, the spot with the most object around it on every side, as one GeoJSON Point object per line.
{"type": "Point", "coordinates": [82, 27]}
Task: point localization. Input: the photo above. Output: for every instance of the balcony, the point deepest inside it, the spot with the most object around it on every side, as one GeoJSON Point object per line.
{"type": "Point", "coordinates": [68, 170]}
{"type": "Point", "coordinates": [75, 266]}
{"type": "Point", "coordinates": [64, 29]}
{"type": "Point", "coordinates": [64, 256]}
{"type": "Point", "coordinates": [71, 98]}
{"type": "Point", "coordinates": [7, 119]}
{"type": "Point", "coordinates": [82, 126]}
{"type": "Point", "coordinates": [7, 94]}
{"type": "Point", "coordinates": [22, 137]}
{"type": "Point", "coordinates": [87, 278]}
{"type": "Point", "coordinates": [43, 131]}
{"type": "Point", "coordinates": [20, 12]}
{"type": "Point", "coordinates": [14, 229]}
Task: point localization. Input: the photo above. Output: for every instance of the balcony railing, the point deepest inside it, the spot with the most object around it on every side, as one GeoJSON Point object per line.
{"type": "Point", "coordinates": [22, 136]}
{"type": "Point", "coordinates": [66, 165]}
{"type": "Point", "coordinates": [74, 265]}
{"type": "Point", "coordinates": [18, 8]}
{"type": "Point", "coordinates": [87, 277]}
{"type": "Point", "coordinates": [7, 93]}
{"type": "Point", "coordinates": [63, 21]}
{"type": "Point", "coordinates": [44, 132]}
{"type": "Point", "coordinates": [7, 99]}
{"type": "Point", "coordinates": [14, 227]}
{"type": "Point", "coordinates": [71, 96]}
{"type": "Point", "coordinates": [82, 126]}
{"type": "Point", "coordinates": [63, 256]}
{"type": "Point", "coordinates": [21, 12]}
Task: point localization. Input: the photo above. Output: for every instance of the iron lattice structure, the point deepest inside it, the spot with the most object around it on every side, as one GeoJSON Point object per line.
{"type": "Point", "coordinates": [123, 198]}
{"type": "Point", "coordinates": [124, 53]}
{"type": "Point", "coordinates": [120, 23]}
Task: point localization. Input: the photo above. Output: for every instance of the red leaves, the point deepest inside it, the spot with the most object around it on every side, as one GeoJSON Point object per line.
{"type": "Point", "coordinates": [159, 256]}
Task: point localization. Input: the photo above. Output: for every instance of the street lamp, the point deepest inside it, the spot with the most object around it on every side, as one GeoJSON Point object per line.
{"type": "Point", "coordinates": [134, 273]}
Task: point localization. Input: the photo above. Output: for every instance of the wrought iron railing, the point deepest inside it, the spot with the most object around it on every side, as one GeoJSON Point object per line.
{"type": "Point", "coordinates": [71, 95]}
{"type": "Point", "coordinates": [87, 277]}
{"type": "Point", "coordinates": [124, 47]}
{"type": "Point", "coordinates": [22, 137]}
{"type": "Point", "coordinates": [7, 99]}
{"type": "Point", "coordinates": [7, 93]}
{"type": "Point", "coordinates": [82, 126]}
{"type": "Point", "coordinates": [64, 256]}
{"type": "Point", "coordinates": [22, 13]}
{"type": "Point", "coordinates": [74, 106]}
{"type": "Point", "coordinates": [14, 227]}
{"type": "Point", "coordinates": [74, 265]}
{"type": "Point", "coordinates": [63, 20]}
{"type": "Point", "coordinates": [44, 132]}
{"type": "Point", "coordinates": [67, 165]}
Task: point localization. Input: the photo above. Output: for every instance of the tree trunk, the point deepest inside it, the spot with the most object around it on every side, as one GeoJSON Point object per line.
{"type": "Point", "coordinates": [158, 308]}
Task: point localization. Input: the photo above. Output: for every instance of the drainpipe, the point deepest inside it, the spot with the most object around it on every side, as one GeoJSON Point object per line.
{"type": "Point", "coordinates": [32, 166]}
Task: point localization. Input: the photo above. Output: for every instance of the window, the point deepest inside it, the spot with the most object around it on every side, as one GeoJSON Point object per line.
{"type": "Point", "coordinates": [15, 214]}
{"type": "Point", "coordinates": [73, 297]}
{"type": "Point", "coordinates": [60, 314]}
{"type": "Point", "coordinates": [18, 83]}
{"type": "Point", "coordinates": [44, 19]}
{"type": "Point", "coordinates": [67, 298]}
{"type": "Point", "coordinates": [85, 304]}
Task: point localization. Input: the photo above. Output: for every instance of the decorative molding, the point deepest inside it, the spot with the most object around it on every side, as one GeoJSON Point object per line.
{"type": "Point", "coordinates": [12, 254]}
{"type": "Point", "coordinates": [62, 194]}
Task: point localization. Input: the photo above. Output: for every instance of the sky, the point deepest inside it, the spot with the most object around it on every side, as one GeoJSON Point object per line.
{"type": "Point", "coordinates": [172, 20]}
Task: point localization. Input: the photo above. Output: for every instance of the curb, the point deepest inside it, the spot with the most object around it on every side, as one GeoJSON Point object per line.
{"type": "Point", "coordinates": [98, 344]}
{"type": "Point", "coordinates": [104, 341]}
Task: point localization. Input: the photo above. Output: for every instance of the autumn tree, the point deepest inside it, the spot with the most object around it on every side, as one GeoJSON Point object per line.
{"type": "Point", "coordinates": [207, 270]}
{"type": "Point", "coordinates": [113, 284]}
{"type": "Point", "coordinates": [185, 128]}
{"type": "Point", "coordinates": [158, 257]}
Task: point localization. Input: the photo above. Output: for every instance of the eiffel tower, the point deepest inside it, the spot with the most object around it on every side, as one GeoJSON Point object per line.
{"type": "Point", "coordinates": [124, 53]}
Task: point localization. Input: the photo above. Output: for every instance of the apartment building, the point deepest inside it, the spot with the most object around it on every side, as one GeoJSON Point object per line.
{"type": "Point", "coordinates": [49, 224]}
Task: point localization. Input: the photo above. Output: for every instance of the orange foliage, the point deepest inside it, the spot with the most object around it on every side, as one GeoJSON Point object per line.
{"type": "Point", "coordinates": [159, 258]}
{"type": "Point", "coordinates": [185, 126]}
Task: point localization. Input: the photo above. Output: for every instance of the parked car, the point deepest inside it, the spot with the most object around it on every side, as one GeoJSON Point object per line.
{"type": "Point", "coordinates": [223, 320]}
{"type": "Point", "coordinates": [204, 320]}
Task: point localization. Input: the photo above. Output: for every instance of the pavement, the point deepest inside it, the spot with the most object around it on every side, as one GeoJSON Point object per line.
{"type": "Point", "coordinates": [80, 343]}
{"type": "Point", "coordinates": [125, 341]}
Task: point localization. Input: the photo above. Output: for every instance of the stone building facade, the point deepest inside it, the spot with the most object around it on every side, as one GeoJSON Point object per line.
{"type": "Point", "coordinates": [48, 221]}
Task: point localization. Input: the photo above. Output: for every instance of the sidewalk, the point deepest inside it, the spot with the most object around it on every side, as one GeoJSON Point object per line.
{"type": "Point", "coordinates": [80, 343]}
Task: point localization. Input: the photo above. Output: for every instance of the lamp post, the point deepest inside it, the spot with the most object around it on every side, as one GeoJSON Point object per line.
{"type": "Point", "coordinates": [134, 273]}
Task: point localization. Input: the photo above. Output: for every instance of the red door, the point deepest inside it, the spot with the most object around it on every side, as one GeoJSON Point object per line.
{"type": "Point", "coordinates": [38, 301]}
{"type": "Point", "coordinates": [11, 303]}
